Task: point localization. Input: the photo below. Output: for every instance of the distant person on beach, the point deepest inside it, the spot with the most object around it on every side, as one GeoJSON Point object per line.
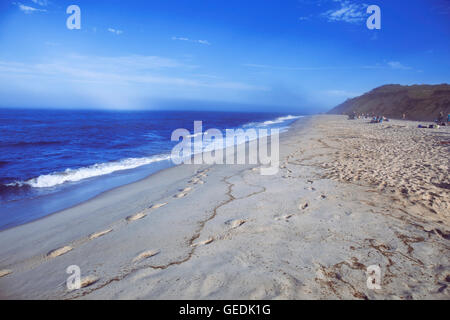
{"type": "Point", "coordinates": [376, 119]}
{"type": "Point", "coordinates": [404, 116]}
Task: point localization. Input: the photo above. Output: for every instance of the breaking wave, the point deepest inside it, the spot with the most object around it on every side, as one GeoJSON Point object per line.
{"type": "Point", "coordinates": [73, 175]}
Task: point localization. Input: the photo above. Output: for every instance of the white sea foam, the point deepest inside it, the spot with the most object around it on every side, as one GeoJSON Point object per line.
{"type": "Point", "coordinates": [272, 122]}
{"type": "Point", "coordinates": [73, 175]}
{"type": "Point", "coordinates": [280, 120]}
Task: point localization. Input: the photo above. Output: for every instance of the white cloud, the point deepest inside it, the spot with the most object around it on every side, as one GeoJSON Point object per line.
{"type": "Point", "coordinates": [126, 82]}
{"type": "Point", "coordinates": [205, 42]}
{"type": "Point", "coordinates": [385, 65]}
{"type": "Point", "coordinates": [28, 9]}
{"type": "Point", "coordinates": [349, 11]}
{"type": "Point", "coordinates": [125, 70]}
{"type": "Point", "coordinates": [397, 65]}
{"type": "Point", "coordinates": [43, 3]}
{"type": "Point", "coordinates": [115, 31]}
{"type": "Point", "coordinates": [265, 66]}
{"type": "Point", "coordinates": [180, 38]}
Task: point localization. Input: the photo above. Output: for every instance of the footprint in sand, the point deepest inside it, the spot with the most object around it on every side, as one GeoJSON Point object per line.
{"type": "Point", "coordinates": [5, 272]}
{"type": "Point", "coordinates": [235, 223]}
{"type": "Point", "coordinates": [203, 243]}
{"type": "Point", "coordinates": [304, 206]}
{"type": "Point", "coordinates": [180, 195]}
{"type": "Point", "coordinates": [158, 205]}
{"type": "Point", "coordinates": [99, 234]}
{"type": "Point", "coordinates": [186, 189]}
{"type": "Point", "coordinates": [200, 182]}
{"type": "Point", "coordinates": [194, 181]}
{"type": "Point", "coordinates": [285, 218]}
{"type": "Point", "coordinates": [88, 280]}
{"type": "Point", "coordinates": [59, 252]}
{"type": "Point", "coordinates": [203, 173]}
{"type": "Point", "coordinates": [146, 254]}
{"type": "Point", "coordinates": [136, 216]}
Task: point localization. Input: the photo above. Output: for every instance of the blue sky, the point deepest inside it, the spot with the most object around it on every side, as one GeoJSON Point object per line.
{"type": "Point", "coordinates": [284, 55]}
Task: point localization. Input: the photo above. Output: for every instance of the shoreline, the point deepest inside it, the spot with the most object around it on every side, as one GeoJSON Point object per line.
{"type": "Point", "coordinates": [75, 193]}
{"type": "Point", "coordinates": [79, 202]}
{"type": "Point", "coordinates": [226, 232]}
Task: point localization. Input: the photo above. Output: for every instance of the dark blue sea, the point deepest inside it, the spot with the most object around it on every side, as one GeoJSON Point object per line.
{"type": "Point", "coordinates": [53, 159]}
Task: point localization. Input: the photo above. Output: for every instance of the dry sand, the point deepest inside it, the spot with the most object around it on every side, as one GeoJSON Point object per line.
{"type": "Point", "coordinates": [348, 195]}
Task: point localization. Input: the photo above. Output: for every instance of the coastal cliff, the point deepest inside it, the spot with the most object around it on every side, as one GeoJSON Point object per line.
{"type": "Point", "coordinates": [417, 102]}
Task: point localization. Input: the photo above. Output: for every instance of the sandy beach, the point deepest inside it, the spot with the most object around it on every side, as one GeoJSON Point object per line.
{"type": "Point", "coordinates": [348, 195]}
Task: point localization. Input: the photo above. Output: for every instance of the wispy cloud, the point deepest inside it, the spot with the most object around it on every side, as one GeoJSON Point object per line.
{"type": "Point", "coordinates": [115, 31]}
{"type": "Point", "coordinates": [114, 82]}
{"type": "Point", "coordinates": [43, 3]}
{"type": "Point", "coordinates": [28, 9]}
{"type": "Point", "coordinates": [349, 11]}
{"type": "Point", "coordinates": [397, 65]}
{"type": "Point", "coordinates": [115, 70]}
{"type": "Point", "coordinates": [264, 66]}
{"type": "Point", "coordinates": [205, 42]}
{"type": "Point", "coordinates": [386, 65]}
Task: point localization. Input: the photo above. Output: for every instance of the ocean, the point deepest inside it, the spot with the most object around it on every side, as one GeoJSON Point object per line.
{"type": "Point", "coordinates": [54, 159]}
